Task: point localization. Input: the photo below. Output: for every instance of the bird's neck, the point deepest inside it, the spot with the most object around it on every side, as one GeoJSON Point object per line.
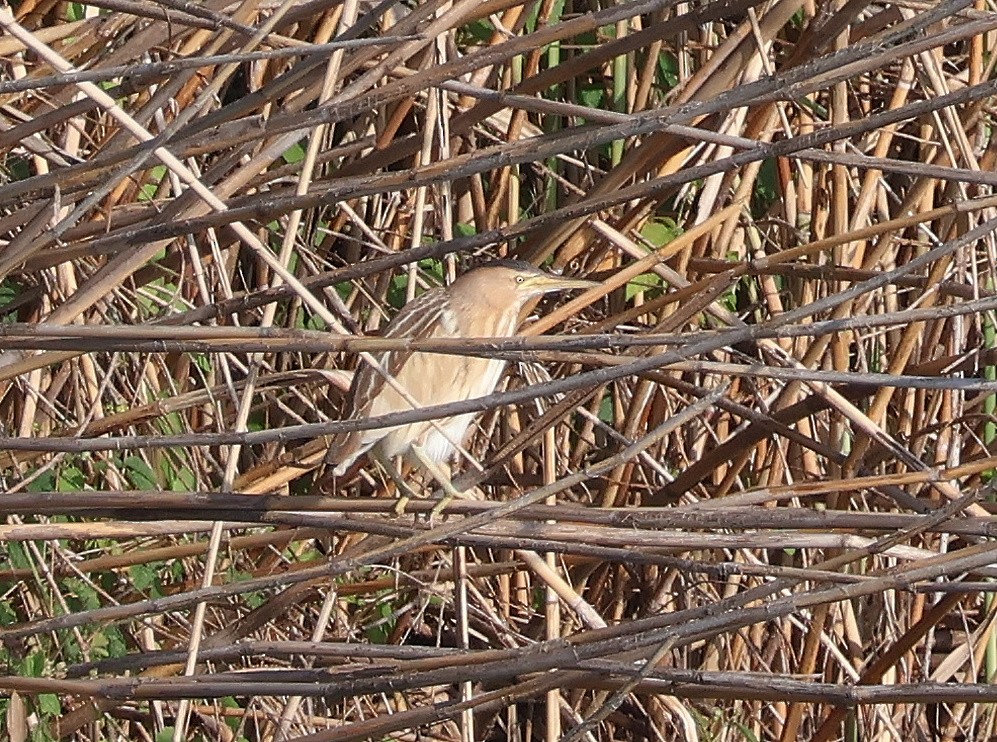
{"type": "Point", "coordinates": [489, 319]}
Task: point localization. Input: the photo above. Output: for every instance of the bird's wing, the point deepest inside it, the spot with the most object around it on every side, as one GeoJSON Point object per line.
{"type": "Point", "coordinates": [416, 321]}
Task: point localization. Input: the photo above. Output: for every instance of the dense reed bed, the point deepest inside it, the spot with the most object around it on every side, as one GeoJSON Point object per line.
{"type": "Point", "coordinates": [741, 490]}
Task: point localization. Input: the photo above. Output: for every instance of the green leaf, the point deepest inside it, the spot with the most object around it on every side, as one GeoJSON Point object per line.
{"type": "Point", "coordinates": [746, 731]}
{"type": "Point", "coordinates": [33, 666]}
{"type": "Point", "coordinates": [344, 289]}
{"type": "Point", "coordinates": [668, 71]}
{"type": "Point", "coordinates": [151, 188]}
{"type": "Point", "coordinates": [257, 421]}
{"type": "Point", "coordinates": [659, 232]}
{"type": "Point", "coordinates": [71, 479]}
{"type": "Point", "coordinates": [233, 722]}
{"type": "Point", "coordinates": [82, 593]}
{"type": "Point", "coordinates": [203, 362]}
{"type": "Point", "coordinates": [481, 30]}
{"type": "Point", "coordinates": [766, 187]}
{"type": "Point", "coordinates": [9, 290]}
{"type": "Point", "coordinates": [7, 615]}
{"type": "Point", "coordinates": [139, 473]}
{"type": "Point", "coordinates": [377, 634]}
{"type": "Point", "coordinates": [253, 598]}
{"type": "Point", "coordinates": [397, 290]}
{"type": "Point", "coordinates": [433, 267]}
{"type": "Point", "coordinates": [316, 323]}
{"type": "Point", "coordinates": [295, 153]}
{"type": "Point", "coordinates": [17, 556]}
{"type": "Point", "coordinates": [592, 97]}
{"type": "Point", "coordinates": [606, 408]}
{"type": "Point", "coordinates": [48, 704]}
{"type": "Point", "coordinates": [184, 480]}
{"type": "Point", "coordinates": [176, 570]}
{"type": "Point", "coordinates": [18, 168]}
{"type": "Point", "coordinates": [172, 423]}
{"type": "Point", "coordinates": [143, 576]}
{"type": "Point", "coordinates": [44, 482]}
{"type": "Point", "coordinates": [642, 283]}
{"type": "Point", "coordinates": [116, 644]}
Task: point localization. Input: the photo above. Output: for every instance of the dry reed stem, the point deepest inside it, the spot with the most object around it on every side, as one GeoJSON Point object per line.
{"type": "Point", "coordinates": [766, 437]}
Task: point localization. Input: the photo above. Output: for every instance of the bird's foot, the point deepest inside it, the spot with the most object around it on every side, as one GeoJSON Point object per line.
{"type": "Point", "coordinates": [442, 477]}
{"type": "Point", "coordinates": [401, 503]}
{"type": "Point", "coordinates": [405, 493]}
{"type": "Point", "coordinates": [439, 507]}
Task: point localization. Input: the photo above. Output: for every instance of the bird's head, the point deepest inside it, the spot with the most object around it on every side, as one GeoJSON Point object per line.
{"type": "Point", "coordinates": [514, 282]}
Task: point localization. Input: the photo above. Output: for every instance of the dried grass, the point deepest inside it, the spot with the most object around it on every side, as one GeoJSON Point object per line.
{"type": "Point", "coordinates": [741, 491]}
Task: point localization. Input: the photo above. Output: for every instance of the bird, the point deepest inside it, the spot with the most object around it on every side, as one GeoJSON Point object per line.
{"type": "Point", "coordinates": [485, 302]}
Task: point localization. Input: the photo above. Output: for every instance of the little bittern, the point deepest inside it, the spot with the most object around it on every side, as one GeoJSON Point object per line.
{"type": "Point", "coordinates": [484, 302]}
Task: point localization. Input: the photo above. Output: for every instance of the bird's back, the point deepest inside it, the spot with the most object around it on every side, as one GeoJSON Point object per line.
{"type": "Point", "coordinates": [415, 320]}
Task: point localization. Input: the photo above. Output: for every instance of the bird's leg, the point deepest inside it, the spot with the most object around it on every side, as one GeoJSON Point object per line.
{"type": "Point", "coordinates": [438, 473]}
{"type": "Point", "coordinates": [405, 493]}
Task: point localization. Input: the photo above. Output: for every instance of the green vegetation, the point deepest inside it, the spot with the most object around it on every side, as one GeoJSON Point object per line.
{"type": "Point", "coordinates": [804, 355]}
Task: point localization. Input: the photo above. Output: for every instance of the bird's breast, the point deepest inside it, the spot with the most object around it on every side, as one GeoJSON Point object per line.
{"type": "Point", "coordinates": [435, 378]}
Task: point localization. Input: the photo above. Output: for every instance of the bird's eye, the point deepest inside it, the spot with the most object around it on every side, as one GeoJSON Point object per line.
{"type": "Point", "coordinates": [520, 279]}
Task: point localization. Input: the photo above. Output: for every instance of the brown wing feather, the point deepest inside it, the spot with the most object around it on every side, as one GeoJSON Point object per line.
{"type": "Point", "coordinates": [416, 320]}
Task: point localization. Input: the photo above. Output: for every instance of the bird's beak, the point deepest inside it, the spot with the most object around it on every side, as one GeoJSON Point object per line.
{"type": "Point", "coordinates": [547, 284]}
